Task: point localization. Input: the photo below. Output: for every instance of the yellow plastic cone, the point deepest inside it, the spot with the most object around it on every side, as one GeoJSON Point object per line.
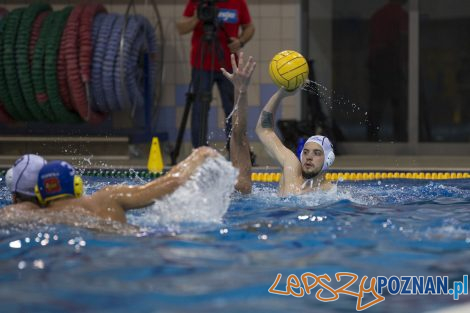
{"type": "Point", "coordinates": [155, 162]}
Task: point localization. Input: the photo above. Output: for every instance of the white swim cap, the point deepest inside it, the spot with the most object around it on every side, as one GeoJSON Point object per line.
{"type": "Point", "coordinates": [24, 174]}
{"type": "Point", "coordinates": [9, 178]}
{"type": "Point", "coordinates": [327, 147]}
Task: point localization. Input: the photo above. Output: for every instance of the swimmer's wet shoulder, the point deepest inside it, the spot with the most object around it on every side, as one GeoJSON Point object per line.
{"type": "Point", "coordinates": [57, 210]}
{"type": "Point", "coordinates": [23, 207]}
{"type": "Point", "coordinates": [111, 202]}
{"type": "Point", "coordinates": [58, 193]}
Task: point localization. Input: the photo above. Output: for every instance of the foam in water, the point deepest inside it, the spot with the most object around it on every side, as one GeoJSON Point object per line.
{"type": "Point", "coordinates": [204, 198]}
{"type": "Point", "coordinates": [267, 196]}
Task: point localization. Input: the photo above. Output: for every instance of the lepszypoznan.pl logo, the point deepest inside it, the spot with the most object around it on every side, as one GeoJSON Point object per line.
{"type": "Point", "coordinates": [404, 285]}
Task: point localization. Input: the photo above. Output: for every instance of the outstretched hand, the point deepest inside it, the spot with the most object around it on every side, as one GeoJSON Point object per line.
{"type": "Point", "coordinates": [241, 73]}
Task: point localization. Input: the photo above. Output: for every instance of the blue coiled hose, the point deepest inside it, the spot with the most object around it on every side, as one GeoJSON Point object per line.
{"type": "Point", "coordinates": [135, 71]}
{"type": "Point", "coordinates": [107, 80]}
{"type": "Point", "coordinates": [139, 38]}
{"type": "Point", "coordinates": [110, 63]}
{"type": "Point", "coordinates": [133, 28]}
{"type": "Point", "coordinates": [152, 49]}
{"type": "Point", "coordinates": [100, 48]}
{"type": "Point", "coordinates": [97, 22]}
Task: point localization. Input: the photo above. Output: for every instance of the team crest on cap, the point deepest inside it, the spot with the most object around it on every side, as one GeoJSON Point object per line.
{"type": "Point", "coordinates": [52, 185]}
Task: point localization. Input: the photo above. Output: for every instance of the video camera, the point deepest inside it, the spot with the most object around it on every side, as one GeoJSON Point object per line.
{"type": "Point", "coordinates": [207, 11]}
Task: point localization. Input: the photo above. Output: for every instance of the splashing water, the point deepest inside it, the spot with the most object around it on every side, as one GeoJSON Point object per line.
{"type": "Point", "coordinates": [204, 198]}
{"type": "Point", "coordinates": [331, 100]}
{"type": "Point", "coordinates": [227, 119]}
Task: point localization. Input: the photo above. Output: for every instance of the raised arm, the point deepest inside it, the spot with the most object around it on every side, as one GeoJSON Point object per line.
{"type": "Point", "coordinates": [186, 24]}
{"type": "Point", "coordinates": [239, 145]}
{"type": "Point", "coordinates": [132, 197]}
{"type": "Point", "coordinates": [265, 130]}
{"type": "Point", "coordinates": [236, 43]}
{"type": "Point", "coordinates": [248, 30]}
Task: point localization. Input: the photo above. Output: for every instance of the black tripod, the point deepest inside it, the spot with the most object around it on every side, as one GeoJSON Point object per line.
{"type": "Point", "coordinates": [211, 43]}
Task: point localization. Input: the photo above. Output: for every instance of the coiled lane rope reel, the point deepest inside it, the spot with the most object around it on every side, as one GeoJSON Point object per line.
{"type": "Point", "coordinates": [140, 36]}
{"type": "Point", "coordinates": [76, 64]}
{"type": "Point", "coordinates": [4, 115]}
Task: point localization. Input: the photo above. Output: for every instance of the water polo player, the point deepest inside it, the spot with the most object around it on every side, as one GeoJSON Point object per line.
{"type": "Point", "coordinates": [298, 176]}
{"type": "Point", "coordinates": [60, 190]}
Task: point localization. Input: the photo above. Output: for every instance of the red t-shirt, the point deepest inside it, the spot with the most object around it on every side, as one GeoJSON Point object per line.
{"type": "Point", "coordinates": [232, 14]}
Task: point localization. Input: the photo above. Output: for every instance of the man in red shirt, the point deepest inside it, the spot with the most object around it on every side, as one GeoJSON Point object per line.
{"type": "Point", "coordinates": [208, 55]}
{"type": "Point", "coordinates": [388, 52]}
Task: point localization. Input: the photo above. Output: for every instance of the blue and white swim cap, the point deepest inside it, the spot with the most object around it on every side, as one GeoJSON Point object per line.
{"type": "Point", "coordinates": [22, 177]}
{"type": "Point", "coordinates": [56, 180]}
{"type": "Point", "coordinates": [327, 147]}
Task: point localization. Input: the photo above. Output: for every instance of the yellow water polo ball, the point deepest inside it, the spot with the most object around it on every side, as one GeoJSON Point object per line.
{"type": "Point", "coordinates": [288, 69]}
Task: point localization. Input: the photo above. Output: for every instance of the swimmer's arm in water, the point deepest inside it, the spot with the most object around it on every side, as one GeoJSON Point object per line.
{"type": "Point", "coordinates": [265, 130]}
{"type": "Point", "coordinates": [133, 197]}
{"type": "Point", "coordinates": [16, 207]}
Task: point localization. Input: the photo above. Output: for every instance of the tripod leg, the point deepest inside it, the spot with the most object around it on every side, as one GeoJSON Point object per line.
{"type": "Point", "coordinates": [201, 107]}
{"type": "Point", "coordinates": [206, 98]}
{"type": "Point", "coordinates": [203, 97]}
{"type": "Point", "coordinates": [189, 100]}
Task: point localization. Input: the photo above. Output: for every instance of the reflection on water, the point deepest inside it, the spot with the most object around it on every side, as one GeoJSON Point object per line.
{"type": "Point", "coordinates": [387, 228]}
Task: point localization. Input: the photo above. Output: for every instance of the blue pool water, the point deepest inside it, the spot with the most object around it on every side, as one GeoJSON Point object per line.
{"type": "Point", "coordinates": [390, 227]}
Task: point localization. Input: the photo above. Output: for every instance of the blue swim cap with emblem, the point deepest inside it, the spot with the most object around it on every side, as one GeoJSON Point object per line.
{"type": "Point", "coordinates": [327, 147]}
{"type": "Point", "coordinates": [56, 180]}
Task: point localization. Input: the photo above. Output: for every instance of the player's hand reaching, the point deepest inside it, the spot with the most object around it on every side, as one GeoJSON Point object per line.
{"type": "Point", "coordinates": [241, 73]}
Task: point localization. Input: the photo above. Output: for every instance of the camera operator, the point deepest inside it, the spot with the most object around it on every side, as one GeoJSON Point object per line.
{"type": "Point", "coordinates": [221, 20]}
